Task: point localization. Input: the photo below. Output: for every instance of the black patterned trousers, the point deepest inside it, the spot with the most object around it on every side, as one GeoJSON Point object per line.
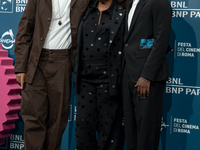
{"type": "Point", "coordinates": [98, 120]}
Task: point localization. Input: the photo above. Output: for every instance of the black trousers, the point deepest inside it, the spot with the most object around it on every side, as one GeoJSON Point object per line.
{"type": "Point", "coordinates": [98, 120]}
{"type": "Point", "coordinates": [142, 117]}
{"type": "Point", "coordinates": [45, 102]}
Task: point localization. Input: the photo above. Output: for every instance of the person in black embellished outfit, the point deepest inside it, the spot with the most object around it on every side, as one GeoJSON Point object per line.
{"type": "Point", "coordinates": [97, 76]}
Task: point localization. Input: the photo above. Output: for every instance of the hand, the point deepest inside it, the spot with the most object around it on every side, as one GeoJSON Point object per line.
{"type": "Point", "coordinates": [143, 86]}
{"type": "Point", "coordinates": [20, 79]}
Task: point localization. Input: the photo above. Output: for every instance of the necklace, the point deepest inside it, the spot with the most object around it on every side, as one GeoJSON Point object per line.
{"type": "Point", "coordinates": [59, 22]}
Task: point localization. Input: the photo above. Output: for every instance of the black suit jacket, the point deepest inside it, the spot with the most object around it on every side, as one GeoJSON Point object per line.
{"type": "Point", "coordinates": [143, 57]}
{"type": "Point", "coordinates": [115, 49]}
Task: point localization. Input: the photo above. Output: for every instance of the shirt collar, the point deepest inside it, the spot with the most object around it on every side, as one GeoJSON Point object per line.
{"type": "Point", "coordinates": [109, 10]}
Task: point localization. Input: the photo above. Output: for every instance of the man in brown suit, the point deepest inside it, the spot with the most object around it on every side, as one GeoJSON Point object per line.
{"type": "Point", "coordinates": [45, 50]}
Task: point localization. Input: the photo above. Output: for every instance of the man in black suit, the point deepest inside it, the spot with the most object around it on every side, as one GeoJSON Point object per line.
{"type": "Point", "coordinates": [146, 38]}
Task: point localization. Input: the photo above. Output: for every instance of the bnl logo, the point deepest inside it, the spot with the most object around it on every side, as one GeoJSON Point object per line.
{"type": "Point", "coordinates": [6, 6]}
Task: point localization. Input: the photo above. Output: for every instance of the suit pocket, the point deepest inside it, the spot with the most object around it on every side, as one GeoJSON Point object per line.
{"type": "Point", "coordinates": [143, 53]}
{"type": "Point", "coordinates": [146, 43]}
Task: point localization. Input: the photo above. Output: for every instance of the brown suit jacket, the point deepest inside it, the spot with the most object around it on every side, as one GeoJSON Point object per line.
{"type": "Point", "coordinates": [32, 31]}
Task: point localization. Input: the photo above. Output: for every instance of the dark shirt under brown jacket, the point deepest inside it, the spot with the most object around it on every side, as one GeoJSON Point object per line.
{"type": "Point", "coordinates": [32, 31]}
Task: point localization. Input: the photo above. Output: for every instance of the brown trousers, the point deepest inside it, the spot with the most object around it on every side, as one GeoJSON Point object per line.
{"type": "Point", "coordinates": [45, 102]}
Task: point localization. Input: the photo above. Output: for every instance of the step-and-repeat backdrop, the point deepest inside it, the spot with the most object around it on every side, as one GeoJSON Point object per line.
{"type": "Point", "coordinates": [181, 110]}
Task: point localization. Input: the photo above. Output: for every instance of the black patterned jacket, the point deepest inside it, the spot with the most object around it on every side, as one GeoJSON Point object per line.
{"type": "Point", "coordinates": [115, 49]}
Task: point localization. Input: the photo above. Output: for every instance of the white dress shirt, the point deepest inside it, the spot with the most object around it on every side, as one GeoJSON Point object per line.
{"type": "Point", "coordinates": [131, 12]}
{"type": "Point", "coordinates": [59, 36]}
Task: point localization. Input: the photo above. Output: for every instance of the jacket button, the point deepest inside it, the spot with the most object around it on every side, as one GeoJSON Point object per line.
{"type": "Point", "coordinates": [120, 7]}
{"type": "Point", "coordinates": [126, 45]}
{"type": "Point", "coordinates": [112, 32]}
{"type": "Point", "coordinates": [119, 52]}
{"type": "Point", "coordinates": [51, 52]}
{"type": "Point", "coordinates": [41, 39]}
{"type": "Point", "coordinates": [49, 19]}
{"type": "Point", "coordinates": [110, 41]}
{"type": "Point", "coordinates": [112, 75]}
{"type": "Point", "coordinates": [113, 86]}
{"type": "Point", "coordinates": [37, 59]}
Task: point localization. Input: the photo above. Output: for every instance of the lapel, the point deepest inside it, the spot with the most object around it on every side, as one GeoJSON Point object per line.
{"type": "Point", "coordinates": [80, 29]}
{"type": "Point", "coordinates": [118, 17]}
{"type": "Point", "coordinates": [126, 19]}
{"type": "Point", "coordinates": [87, 12]}
{"type": "Point", "coordinates": [135, 16]}
{"type": "Point", "coordinates": [50, 4]}
{"type": "Point", "coordinates": [72, 3]}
